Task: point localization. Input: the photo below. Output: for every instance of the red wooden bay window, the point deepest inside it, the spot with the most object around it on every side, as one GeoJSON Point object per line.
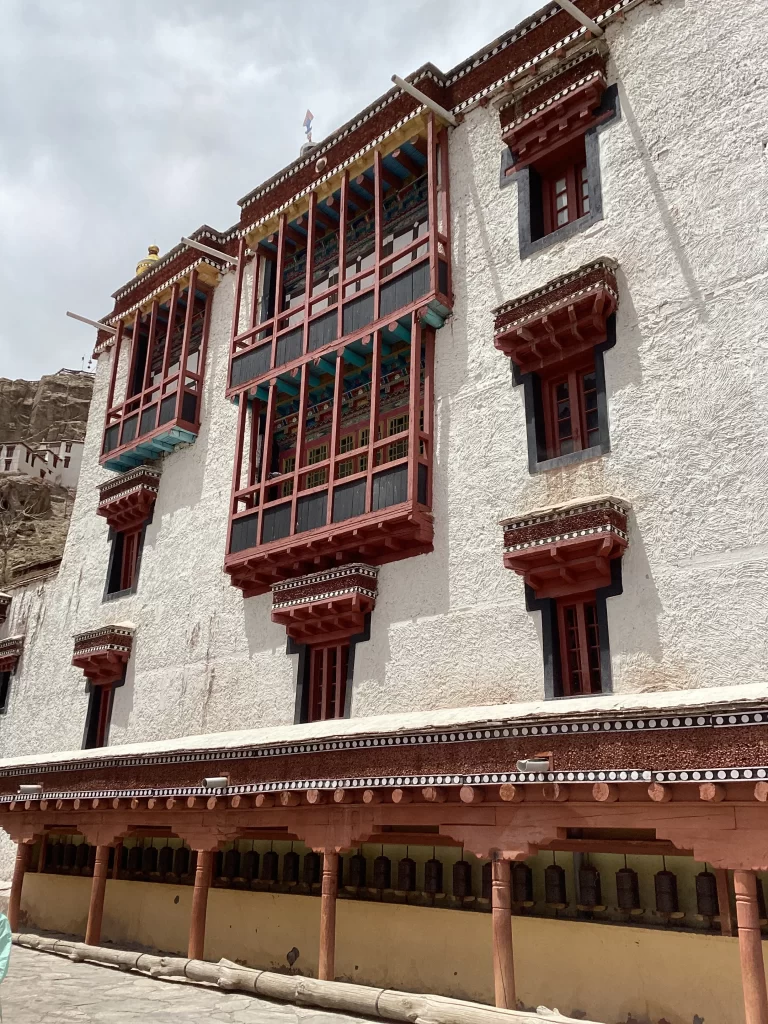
{"type": "Point", "coordinates": [579, 636]}
{"type": "Point", "coordinates": [327, 682]}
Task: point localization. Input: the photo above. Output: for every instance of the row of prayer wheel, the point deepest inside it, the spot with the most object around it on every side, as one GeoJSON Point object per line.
{"type": "Point", "coordinates": [250, 866]}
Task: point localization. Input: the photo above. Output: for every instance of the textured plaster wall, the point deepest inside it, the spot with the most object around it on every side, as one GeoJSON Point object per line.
{"type": "Point", "coordinates": [608, 973]}
{"type": "Point", "coordinates": [685, 187]}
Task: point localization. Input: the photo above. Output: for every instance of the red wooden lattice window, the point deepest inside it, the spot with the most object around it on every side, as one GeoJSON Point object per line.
{"type": "Point", "coordinates": [327, 682]}
{"type": "Point", "coordinates": [579, 636]}
{"type": "Point", "coordinates": [570, 410]}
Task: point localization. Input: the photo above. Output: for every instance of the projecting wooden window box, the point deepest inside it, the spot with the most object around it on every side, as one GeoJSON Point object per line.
{"type": "Point", "coordinates": [165, 353]}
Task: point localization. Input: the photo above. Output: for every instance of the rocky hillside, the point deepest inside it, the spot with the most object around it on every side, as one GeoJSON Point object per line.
{"type": "Point", "coordinates": [34, 519]}
{"type": "Point", "coordinates": [54, 408]}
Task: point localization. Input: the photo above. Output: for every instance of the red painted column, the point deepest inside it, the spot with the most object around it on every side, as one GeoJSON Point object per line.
{"type": "Point", "coordinates": [750, 948]}
{"type": "Point", "coordinates": [327, 963]}
{"type": "Point", "coordinates": [98, 890]}
{"type": "Point", "coordinates": [200, 905]}
{"type": "Point", "coordinates": [19, 869]}
{"type": "Point", "coordinates": [501, 912]}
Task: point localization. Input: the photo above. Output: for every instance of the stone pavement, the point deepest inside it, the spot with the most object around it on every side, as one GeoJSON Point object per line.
{"type": "Point", "coordinates": [45, 989]}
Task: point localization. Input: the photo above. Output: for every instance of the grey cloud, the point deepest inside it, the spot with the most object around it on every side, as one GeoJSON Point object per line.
{"type": "Point", "coordinates": [125, 122]}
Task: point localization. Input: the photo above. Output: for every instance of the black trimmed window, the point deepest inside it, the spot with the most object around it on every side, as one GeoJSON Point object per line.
{"type": "Point", "coordinates": [99, 716]}
{"type": "Point", "coordinates": [5, 690]}
{"type": "Point", "coordinates": [124, 561]}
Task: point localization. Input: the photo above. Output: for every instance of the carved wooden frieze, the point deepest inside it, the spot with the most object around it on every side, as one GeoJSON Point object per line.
{"type": "Point", "coordinates": [567, 549]}
{"type": "Point", "coordinates": [563, 318]}
{"type": "Point", "coordinates": [126, 501]}
{"type": "Point", "coordinates": [10, 652]}
{"type": "Point", "coordinates": [102, 653]}
{"type": "Point", "coordinates": [326, 605]}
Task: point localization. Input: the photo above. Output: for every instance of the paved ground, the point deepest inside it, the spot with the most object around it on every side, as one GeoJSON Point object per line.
{"type": "Point", "coordinates": [45, 989]}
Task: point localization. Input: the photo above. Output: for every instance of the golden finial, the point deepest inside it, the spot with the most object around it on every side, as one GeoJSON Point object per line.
{"type": "Point", "coordinates": [153, 254]}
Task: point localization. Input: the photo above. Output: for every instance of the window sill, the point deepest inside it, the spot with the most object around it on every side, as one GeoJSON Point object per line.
{"type": "Point", "coordinates": [573, 457]}
{"type": "Point", "coordinates": [118, 594]}
{"type": "Point", "coordinates": [561, 234]}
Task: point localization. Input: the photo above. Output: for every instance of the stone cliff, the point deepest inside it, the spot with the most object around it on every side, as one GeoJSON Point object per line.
{"type": "Point", "coordinates": [54, 408]}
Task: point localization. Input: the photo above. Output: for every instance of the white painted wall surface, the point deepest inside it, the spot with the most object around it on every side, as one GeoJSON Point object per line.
{"type": "Point", "coordinates": [685, 192]}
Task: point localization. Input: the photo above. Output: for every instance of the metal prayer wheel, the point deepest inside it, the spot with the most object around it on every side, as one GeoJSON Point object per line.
{"type": "Point", "coordinates": [165, 860]}
{"type": "Point", "coordinates": [340, 875]}
{"type": "Point", "coordinates": [462, 879]}
{"type": "Point", "coordinates": [313, 869]}
{"type": "Point", "coordinates": [218, 864]}
{"type": "Point", "coordinates": [554, 886]}
{"type": "Point", "coordinates": [134, 860]}
{"type": "Point", "coordinates": [81, 856]}
{"type": "Point", "coordinates": [706, 894]}
{"type": "Point", "coordinates": [760, 899]}
{"type": "Point", "coordinates": [665, 884]}
{"type": "Point", "coordinates": [487, 884]}
{"type": "Point", "coordinates": [406, 875]}
{"type": "Point", "coordinates": [382, 873]}
{"type": "Point", "coordinates": [68, 857]}
{"type": "Point", "coordinates": [291, 862]}
{"type": "Point", "coordinates": [269, 865]}
{"type": "Point", "coordinates": [357, 871]}
{"type": "Point", "coordinates": [249, 865]}
{"type": "Point", "coordinates": [433, 876]}
{"type": "Point", "coordinates": [522, 883]}
{"type": "Point", "coordinates": [231, 864]}
{"type": "Point", "coordinates": [50, 855]}
{"type": "Point", "coordinates": [590, 890]}
{"type": "Point", "coordinates": [181, 861]}
{"type": "Point", "coordinates": [148, 860]}
{"type": "Point", "coordinates": [627, 889]}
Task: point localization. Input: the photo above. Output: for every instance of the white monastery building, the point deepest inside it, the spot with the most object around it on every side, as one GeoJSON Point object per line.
{"type": "Point", "coordinates": [58, 462]}
{"type": "Point", "coordinates": [412, 616]}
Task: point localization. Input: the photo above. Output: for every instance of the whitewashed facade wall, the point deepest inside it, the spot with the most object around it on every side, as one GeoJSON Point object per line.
{"type": "Point", "coordinates": [685, 193]}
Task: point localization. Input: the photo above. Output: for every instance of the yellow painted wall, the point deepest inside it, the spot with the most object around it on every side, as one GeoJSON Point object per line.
{"type": "Point", "coordinates": [606, 971]}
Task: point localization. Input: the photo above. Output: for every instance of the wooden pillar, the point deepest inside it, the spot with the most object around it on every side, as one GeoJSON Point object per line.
{"type": "Point", "coordinates": [200, 904]}
{"type": "Point", "coordinates": [19, 869]}
{"type": "Point", "coordinates": [98, 888]}
{"type": "Point", "coordinates": [501, 910]}
{"type": "Point", "coordinates": [750, 948]}
{"type": "Point", "coordinates": [326, 969]}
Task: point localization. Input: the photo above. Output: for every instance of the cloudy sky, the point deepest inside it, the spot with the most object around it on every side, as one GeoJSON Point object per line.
{"type": "Point", "coordinates": [130, 122]}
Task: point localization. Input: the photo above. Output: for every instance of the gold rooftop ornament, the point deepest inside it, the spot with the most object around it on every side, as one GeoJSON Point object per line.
{"type": "Point", "coordinates": [153, 254]}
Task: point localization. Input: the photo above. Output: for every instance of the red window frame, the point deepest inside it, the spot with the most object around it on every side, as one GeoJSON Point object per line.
{"type": "Point", "coordinates": [571, 417]}
{"type": "Point", "coordinates": [327, 682]}
{"type": "Point", "coordinates": [124, 575]}
{"type": "Point", "coordinates": [579, 638]}
{"type": "Point", "coordinates": [564, 185]}
{"type": "Point", "coordinates": [99, 715]}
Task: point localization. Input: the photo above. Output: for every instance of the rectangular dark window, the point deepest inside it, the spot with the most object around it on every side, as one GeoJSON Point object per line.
{"type": "Point", "coordinates": [126, 546]}
{"type": "Point", "coordinates": [571, 410]}
{"type": "Point", "coordinates": [99, 715]}
{"type": "Point", "coordinates": [327, 668]}
{"type": "Point", "coordinates": [565, 194]}
{"type": "Point", "coordinates": [5, 691]}
{"type": "Point", "coordinates": [579, 636]}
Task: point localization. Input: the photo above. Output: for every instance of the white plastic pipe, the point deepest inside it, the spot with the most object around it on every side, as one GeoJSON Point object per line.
{"type": "Point", "coordinates": [92, 323]}
{"type": "Point", "coordinates": [209, 251]}
{"type": "Point", "coordinates": [417, 94]}
{"type": "Point", "coordinates": [580, 16]}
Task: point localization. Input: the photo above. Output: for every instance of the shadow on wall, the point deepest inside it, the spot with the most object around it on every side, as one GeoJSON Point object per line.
{"type": "Point", "coordinates": [664, 212]}
{"type": "Point", "coordinates": [633, 625]}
